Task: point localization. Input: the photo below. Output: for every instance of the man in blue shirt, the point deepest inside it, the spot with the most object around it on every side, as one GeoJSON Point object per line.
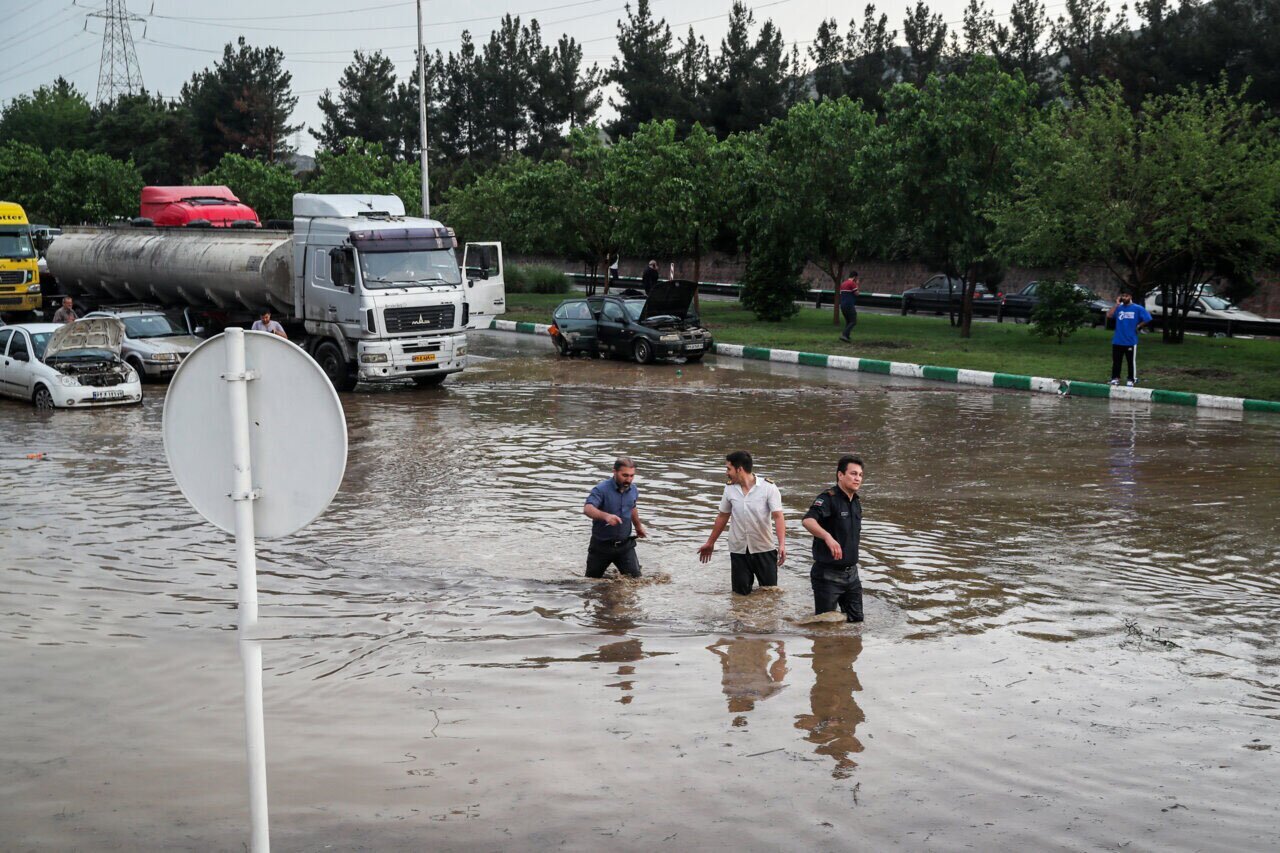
{"type": "Point", "coordinates": [1129, 319]}
{"type": "Point", "coordinates": [611, 506]}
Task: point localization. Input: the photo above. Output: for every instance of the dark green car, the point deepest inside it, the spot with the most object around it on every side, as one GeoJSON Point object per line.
{"type": "Point", "coordinates": [632, 325]}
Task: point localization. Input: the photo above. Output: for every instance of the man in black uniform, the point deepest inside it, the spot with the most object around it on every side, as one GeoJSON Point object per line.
{"type": "Point", "coordinates": [835, 520]}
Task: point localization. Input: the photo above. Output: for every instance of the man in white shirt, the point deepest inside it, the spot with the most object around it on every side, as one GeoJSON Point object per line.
{"type": "Point", "coordinates": [266, 324]}
{"type": "Point", "coordinates": [754, 506]}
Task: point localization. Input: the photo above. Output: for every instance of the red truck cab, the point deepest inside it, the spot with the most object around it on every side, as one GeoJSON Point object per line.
{"type": "Point", "coordinates": [183, 206]}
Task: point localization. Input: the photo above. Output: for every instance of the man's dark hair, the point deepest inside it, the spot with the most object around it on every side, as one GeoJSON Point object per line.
{"type": "Point", "coordinates": [623, 462]}
{"type": "Point", "coordinates": [853, 274]}
{"type": "Point", "coordinates": [847, 460]}
{"type": "Point", "coordinates": [739, 459]}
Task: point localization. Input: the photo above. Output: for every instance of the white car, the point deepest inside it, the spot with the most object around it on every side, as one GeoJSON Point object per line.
{"type": "Point", "coordinates": [153, 344]}
{"type": "Point", "coordinates": [1204, 305]}
{"type": "Point", "coordinates": [71, 365]}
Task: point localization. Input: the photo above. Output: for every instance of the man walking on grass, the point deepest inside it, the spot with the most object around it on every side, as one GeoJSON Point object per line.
{"type": "Point", "coordinates": [752, 508]}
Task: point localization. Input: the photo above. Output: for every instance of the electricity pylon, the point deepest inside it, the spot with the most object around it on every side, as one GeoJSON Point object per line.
{"type": "Point", "coordinates": [118, 71]}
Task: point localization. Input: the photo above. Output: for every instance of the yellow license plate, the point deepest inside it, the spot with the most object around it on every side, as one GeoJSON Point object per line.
{"type": "Point", "coordinates": [430, 356]}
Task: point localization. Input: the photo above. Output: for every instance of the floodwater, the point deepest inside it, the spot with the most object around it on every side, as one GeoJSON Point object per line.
{"type": "Point", "coordinates": [1073, 609]}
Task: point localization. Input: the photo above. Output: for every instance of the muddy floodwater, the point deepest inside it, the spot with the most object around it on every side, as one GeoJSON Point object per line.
{"type": "Point", "coordinates": [1073, 609]}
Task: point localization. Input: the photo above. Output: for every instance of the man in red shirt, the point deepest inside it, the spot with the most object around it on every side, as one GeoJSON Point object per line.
{"type": "Point", "coordinates": [849, 304]}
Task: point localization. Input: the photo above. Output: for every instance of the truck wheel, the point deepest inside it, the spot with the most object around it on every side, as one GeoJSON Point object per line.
{"type": "Point", "coordinates": [42, 399]}
{"type": "Point", "coordinates": [330, 359]}
{"type": "Point", "coordinates": [642, 351]}
{"type": "Point", "coordinates": [435, 379]}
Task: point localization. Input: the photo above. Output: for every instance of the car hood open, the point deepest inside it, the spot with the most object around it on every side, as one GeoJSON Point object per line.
{"type": "Point", "coordinates": [669, 299]}
{"type": "Point", "coordinates": [105, 333]}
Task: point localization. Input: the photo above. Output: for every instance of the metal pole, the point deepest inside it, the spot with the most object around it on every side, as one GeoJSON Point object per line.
{"type": "Point", "coordinates": [422, 116]}
{"type": "Point", "coordinates": [243, 494]}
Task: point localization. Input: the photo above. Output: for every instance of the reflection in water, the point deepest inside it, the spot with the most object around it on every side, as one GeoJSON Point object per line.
{"type": "Point", "coordinates": [752, 670]}
{"type": "Point", "coordinates": [623, 652]}
{"type": "Point", "coordinates": [836, 714]}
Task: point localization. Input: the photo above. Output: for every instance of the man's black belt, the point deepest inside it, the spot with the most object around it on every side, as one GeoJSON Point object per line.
{"type": "Point", "coordinates": [613, 543]}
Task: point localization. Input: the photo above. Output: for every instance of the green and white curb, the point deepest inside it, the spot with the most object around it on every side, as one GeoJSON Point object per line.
{"type": "Point", "coordinates": [960, 376]}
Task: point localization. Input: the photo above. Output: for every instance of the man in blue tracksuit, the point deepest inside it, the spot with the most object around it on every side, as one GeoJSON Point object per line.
{"type": "Point", "coordinates": [1129, 319]}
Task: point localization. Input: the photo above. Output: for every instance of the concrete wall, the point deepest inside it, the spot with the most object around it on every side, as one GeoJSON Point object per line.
{"type": "Point", "coordinates": [880, 277]}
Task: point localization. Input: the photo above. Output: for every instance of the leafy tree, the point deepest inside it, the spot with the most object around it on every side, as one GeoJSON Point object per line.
{"type": "Point", "coordinates": [643, 71]}
{"type": "Point", "coordinates": [364, 167]}
{"type": "Point", "coordinates": [25, 178]}
{"type": "Point", "coordinates": [366, 107]}
{"type": "Point", "coordinates": [89, 188]}
{"type": "Point", "coordinates": [154, 131]}
{"type": "Point", "coordinates": [266, 187]}
{"type": "Point", "coordinates": [242, 105]}
{"type": "Point", "coordinates": [55, 116]}
{"type": "Point", "coordinates": [1059, 311]}
{"type": "Point", "coordinates": [950, 149]}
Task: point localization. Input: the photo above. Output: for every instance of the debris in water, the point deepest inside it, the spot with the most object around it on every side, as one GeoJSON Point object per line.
{"type": "Point", "coordinates": [820, 618]}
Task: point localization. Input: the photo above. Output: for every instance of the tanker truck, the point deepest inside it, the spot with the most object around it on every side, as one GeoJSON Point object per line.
{"type": "Point", "coordinates": [373, 295]}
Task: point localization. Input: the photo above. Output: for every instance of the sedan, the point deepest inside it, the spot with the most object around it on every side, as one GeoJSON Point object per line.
{"type": "Point", "coordinates": [71, 365]}
{"type": "Point", "coordinates": [942, 293]}
{"type": "Point", "coordinates": [631, 325]}
{"type": "Point", "coordinates": [153, 344]}
{"type": "Point", "coordinates": [1022, 303]}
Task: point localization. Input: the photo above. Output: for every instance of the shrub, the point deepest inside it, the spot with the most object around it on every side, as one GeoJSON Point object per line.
{"type": "Point", "coordinates": [1061, 310]}
{"type": "Point", "coordinates": [771, 284]}
{"type": "Point", "coordinates": [546, 280]}
{"type": "Point", "coordinates": [516, 278]}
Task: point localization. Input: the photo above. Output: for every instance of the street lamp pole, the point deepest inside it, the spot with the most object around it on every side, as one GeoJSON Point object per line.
{"type": "Point", "coordinates": [422, 116]}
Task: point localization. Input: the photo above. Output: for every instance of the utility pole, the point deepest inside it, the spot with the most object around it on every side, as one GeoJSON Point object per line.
{"type": "Point", "coordinates": [118, 71]}
{"type": "Point", "coordinates": [422, 117]}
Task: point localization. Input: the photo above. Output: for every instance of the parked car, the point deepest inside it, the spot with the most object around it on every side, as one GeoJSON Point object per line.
{"type": "Point", "coordinates": [631, 325]}
{"type": "Point", "coordinates": [1022, 303]}
{"type": "Point", "coordinates": [1204, 305]}
{"type": "Point", "coordinates": [67, 365]}
{"type": "Point", "coordinates": [941, 293]}
{"type": "Point", "coordinates": [154, 345]}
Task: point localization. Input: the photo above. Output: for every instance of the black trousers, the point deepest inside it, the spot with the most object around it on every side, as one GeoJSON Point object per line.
{"type": "Point", "coordinates": [849, 309]}
{"type": "Point", "coordinates": [837, 588]}
{"type": "Point", "coordinates": [1118, 353]}
{"type": "Point", "coordinates": [602, 553]}
{"type": "Point", "coordinates": [748, 568]}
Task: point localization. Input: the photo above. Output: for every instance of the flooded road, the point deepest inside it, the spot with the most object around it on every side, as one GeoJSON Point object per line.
{"type": "Point", "coordinates": [1072, 606]}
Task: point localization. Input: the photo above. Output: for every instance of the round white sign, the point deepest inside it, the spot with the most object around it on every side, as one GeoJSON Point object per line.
{"type": "Point", "coordinates": [297, 434]}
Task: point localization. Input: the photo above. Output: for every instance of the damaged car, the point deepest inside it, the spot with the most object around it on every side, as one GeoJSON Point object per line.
{"type": "Point", "coordinates": [72, 365]}
{"type": "Point", "coordinates": [633, 325]}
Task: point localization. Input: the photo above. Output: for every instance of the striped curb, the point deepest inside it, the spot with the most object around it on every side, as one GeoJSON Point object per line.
{"type": "Point", "coordinates": [960, 376]}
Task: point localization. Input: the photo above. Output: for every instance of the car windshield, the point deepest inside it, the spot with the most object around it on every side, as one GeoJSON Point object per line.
{"type": "Point", "coordinates": [15, 243]}
{"type": "Point", "coordinates": [634, 308]}
{"type": "Point", "coordinates": [151, 326]}
{"type": "Point", "coordinates": [1216, 303]}
{"type": "Point", "coordinates": [40, 340]}
{"type": "Point", "coordinates": [381, 270]}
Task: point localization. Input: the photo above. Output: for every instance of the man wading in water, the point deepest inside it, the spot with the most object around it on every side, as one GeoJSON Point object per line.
{"type": "Point", "coordinates": [750, 506]}
{"type": "Point", "coordinates": [835, 520]}
{"type": "Point", "coordinates": [611, 506]}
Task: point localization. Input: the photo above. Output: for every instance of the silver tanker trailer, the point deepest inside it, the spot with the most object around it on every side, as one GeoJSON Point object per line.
{"type": "Point", "coordinates": [372, 294]}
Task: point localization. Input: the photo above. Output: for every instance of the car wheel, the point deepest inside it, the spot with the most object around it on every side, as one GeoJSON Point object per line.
{"type": "Point", "coordinates": [330, 359]}
{"type": "Point", "coordinates": [136, 364]}
{"type": "Point", "coordinates": [42, 399]}
{"type": "Point", "coordinates": [562, 346]}
{"type": "Point", "coordinates": [432, 381]}
{"type": "Point", "coordinates": [642, 351]}
{"type": "Point", "coordinates": [906, 306]}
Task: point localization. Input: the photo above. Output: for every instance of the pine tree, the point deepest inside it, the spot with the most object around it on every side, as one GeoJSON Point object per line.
{"type": "Point", "coordinates": [644, 71]}
{"type": "Point", "coordinates": [827, 53]}
{"type": "Point", "coordinates": [366, 106]}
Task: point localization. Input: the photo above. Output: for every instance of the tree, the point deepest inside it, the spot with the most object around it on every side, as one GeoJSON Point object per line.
{"type": "Point", "coordinates": [1086, 38]}
{"type": "Point", "coordinates": [1181, 192]}
{"type": "Point", "coordinates": [266, 187]}
{"type": "Point", "coordinates": [461, 104]}
{"type": "Point", "coordinates": [827, 54]}
{"type": "Point", "coordinates": [505, 78]}
{"type": "Point", "coordinates": [1060, 310]}
{"type": "Point", "coordinates": [693, 68]}
{"type": "Point", "coordinates": [25, 178]}
{"type": "Point", "coordinates": [90, 188]}
{"type": "Point", "coordinates": [1019, 45]}
{"type": "Point", "coordinates": [925, 35]}
{"type": "Point", "coordinates": [56, 116]}
{"type": "Point", "coordinates": [156, 132]}
{"type": "Point", "coordinates": [242, 105]}
{"type": "Point", "coordinates": [950, 147]}
{"type": "Point", "coordinates": [748, 81]}
{"type": "Point", "coordinates": [643, 71]}
{"type": "Point", "coordinates": [366, 106]}
{"type": "Point", "coordinates": [869, 57]}
{"type": "Point", "coordinates": [364, 167]}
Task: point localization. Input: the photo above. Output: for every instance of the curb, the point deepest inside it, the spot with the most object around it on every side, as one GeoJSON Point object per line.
{"type": "Point", "coordinates": [960, 376]}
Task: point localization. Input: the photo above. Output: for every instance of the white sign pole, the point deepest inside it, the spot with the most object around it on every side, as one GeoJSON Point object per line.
{"type": "Point", "coordinates": [243, 494]}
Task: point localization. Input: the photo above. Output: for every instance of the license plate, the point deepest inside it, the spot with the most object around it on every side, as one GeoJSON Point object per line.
{"type": "Point", "coordinates": [693, 346]}
{"type": "Point", "coordinates": [427, 356]}
{"type": "Point", "coordinates": [107, 395]}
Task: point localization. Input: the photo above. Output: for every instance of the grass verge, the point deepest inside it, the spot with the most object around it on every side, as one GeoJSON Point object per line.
{"type": "Point", "coordinates": [1230, 367]}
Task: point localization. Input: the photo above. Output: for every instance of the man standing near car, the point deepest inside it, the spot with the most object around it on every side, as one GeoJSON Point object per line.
{"type": "Point", "coordinates": [752, 508]}
{"type": "Point", "coordinates": [835, 520]}
{"type": "Point", "coordinates": [611, 506]}
{"type": "Point", "coordinates": [849, 305]}
{"type": "Point", "coordinates": [67, 313]}
{"type": "Point", "coordinates": [650, 278]}
{"type": "Point", "coordinates": [1129, 319]}
{"type": "Point", "coordinates": [264, 323]}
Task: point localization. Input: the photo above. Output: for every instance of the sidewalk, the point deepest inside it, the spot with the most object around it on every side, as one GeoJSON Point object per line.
{"type": "Point", "coordinates": [980, 378]}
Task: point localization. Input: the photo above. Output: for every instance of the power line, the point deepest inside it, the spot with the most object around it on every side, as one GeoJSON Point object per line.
{"type": "Point", "coordinates": [241, 27]}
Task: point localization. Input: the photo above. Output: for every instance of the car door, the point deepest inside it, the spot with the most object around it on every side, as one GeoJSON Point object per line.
{"type": "Point", "coordinates": [5, 334]}
{"type": "Point", "coordinates": [486, 289]}
{"type": "Point", "coordinates": [577, 325]}
{"type": "Point", "coordinates": [20, 360]}
{"type": "Point", "coordinates": [935, 294]}
{"type": "Point", "coordinates": [614, 332]}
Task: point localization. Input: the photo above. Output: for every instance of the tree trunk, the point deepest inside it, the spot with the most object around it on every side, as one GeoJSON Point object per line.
{"type": "Point", "coordinates": [837, 275]}
{"type": "Point", "coordinates": [966, 306]}
{"type": "Point", "coordinates": [608, 273]}
{"type": "Point", "coordinates": [697, 272]}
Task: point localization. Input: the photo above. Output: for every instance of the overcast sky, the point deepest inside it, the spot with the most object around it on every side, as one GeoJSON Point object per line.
{"type": "Point", "coordinates": [42, 39]}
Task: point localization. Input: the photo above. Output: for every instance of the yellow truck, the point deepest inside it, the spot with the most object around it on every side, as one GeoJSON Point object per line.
{"type": "Point", "coordinates": [19, 270]}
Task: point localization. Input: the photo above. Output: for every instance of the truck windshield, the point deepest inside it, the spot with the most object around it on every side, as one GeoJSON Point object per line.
{"type": "Point", "coordinates": [15, 243]}
{"type": "Point", "coordinates": [382, 270]}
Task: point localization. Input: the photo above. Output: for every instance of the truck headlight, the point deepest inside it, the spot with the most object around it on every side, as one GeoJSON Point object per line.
{"type": "Point", "coordinates": [35, 288]}
{"type": "Point", "coordinates": [69, 381]}
{"type": "Point", "coordinates": [373, 358]}
{"type": "Point", "coordinates": [670, 339]}
{"type": "Point", "coordinates": [458, 352]}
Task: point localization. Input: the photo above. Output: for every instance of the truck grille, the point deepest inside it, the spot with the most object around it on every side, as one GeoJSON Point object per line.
{"type": "Point", "coordinates": [13, 276]}
{"type": "Point", "coordinates": [418, 319]}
